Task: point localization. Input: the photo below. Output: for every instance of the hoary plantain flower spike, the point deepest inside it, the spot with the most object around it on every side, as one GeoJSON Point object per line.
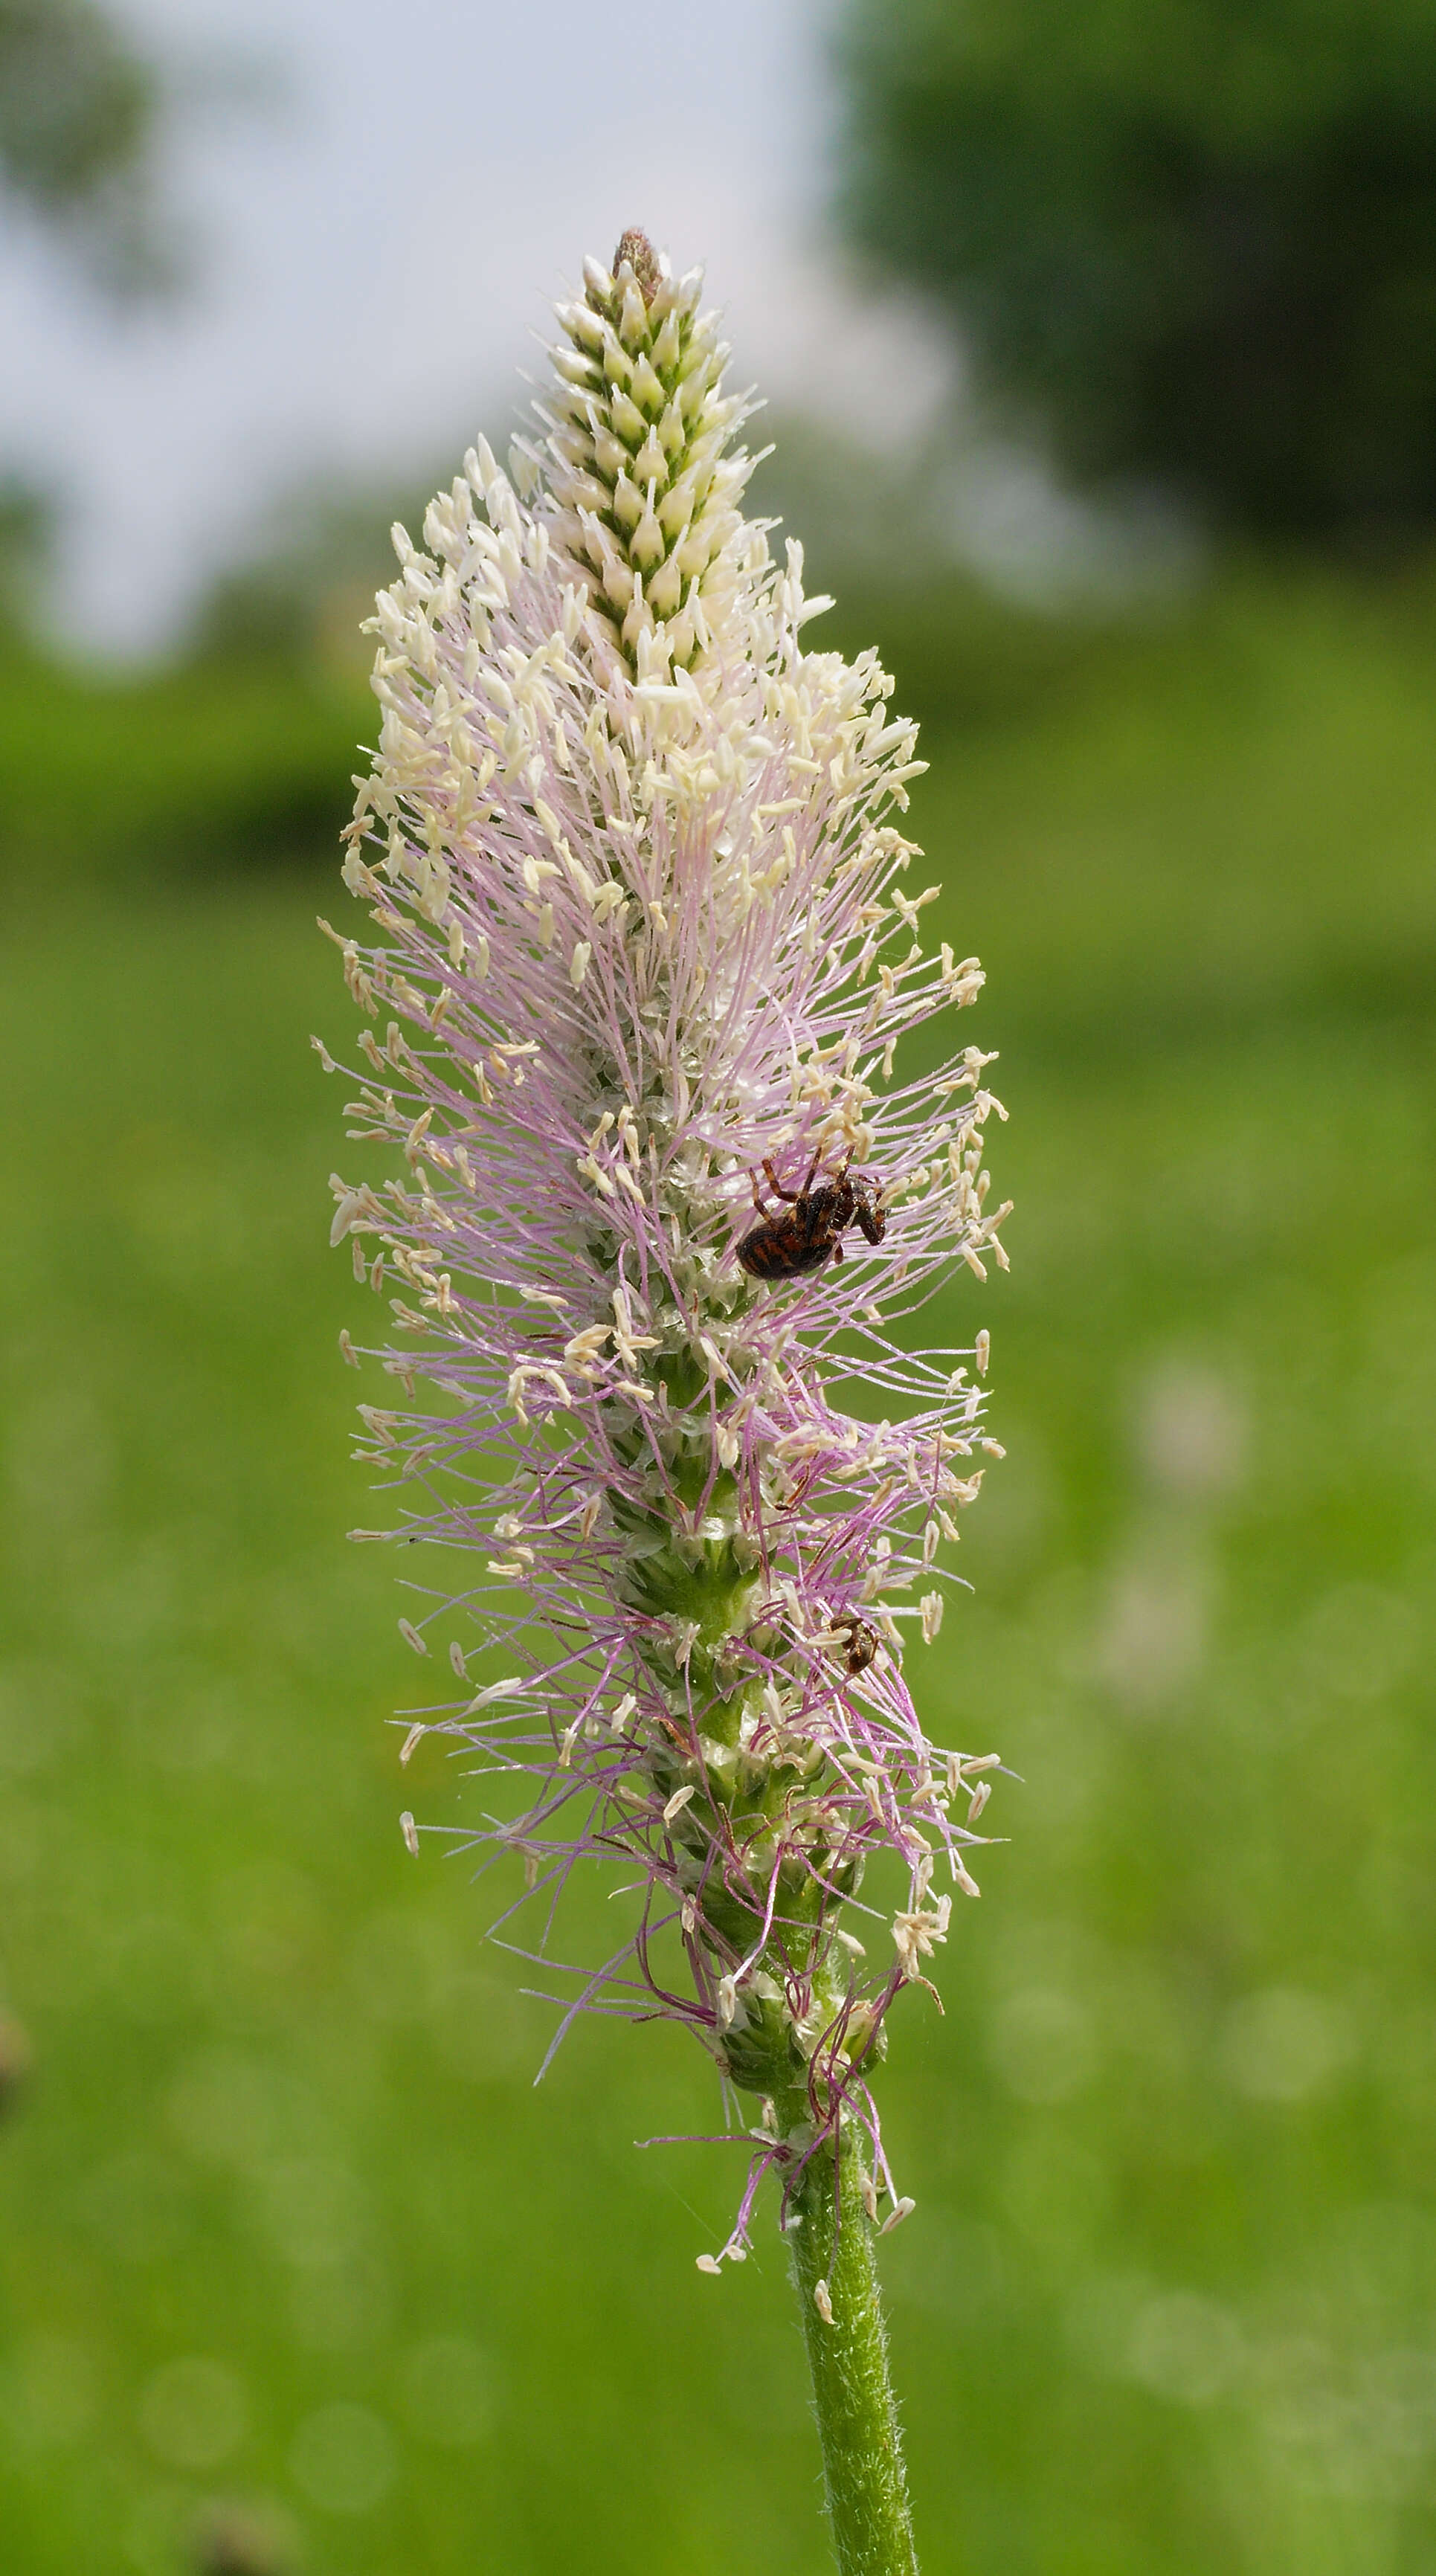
{"type": "Point", "coordinates": [640, 961]}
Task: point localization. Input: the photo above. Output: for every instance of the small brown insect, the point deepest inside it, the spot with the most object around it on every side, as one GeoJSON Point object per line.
{"type": "Point", "coordinates": [862, 1645]}
{"type": "Point", "coordinates": [635, 247]}
{"type": "Point", "coordinates": [806, 1230]}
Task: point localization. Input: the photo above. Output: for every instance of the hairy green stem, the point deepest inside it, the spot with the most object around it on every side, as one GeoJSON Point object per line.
{"type": "Point", "coordinates": [704, 1586]}
{"type": "Point", "coordinates": [835, 2269]}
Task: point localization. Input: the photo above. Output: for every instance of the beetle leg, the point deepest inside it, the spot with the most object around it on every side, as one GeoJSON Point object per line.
{"type": "Point", "coordinates": [872, 1214]}
{"type": "Point", "coordinates": [753, 1185]}
{"type": "Point", "coordinates": [837, 1252]}
{"type": "Point", "coordinates": [775, 1185]}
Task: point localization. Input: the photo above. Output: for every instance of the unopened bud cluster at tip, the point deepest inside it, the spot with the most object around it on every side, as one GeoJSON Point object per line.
{"type": "Point", "coordinates": [647, 499]}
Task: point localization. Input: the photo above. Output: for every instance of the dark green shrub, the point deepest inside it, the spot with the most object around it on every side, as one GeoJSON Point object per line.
{"type": "Point", "coordinates": [1195, 238]}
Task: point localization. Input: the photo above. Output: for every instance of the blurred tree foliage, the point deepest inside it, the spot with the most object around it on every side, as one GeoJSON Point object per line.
{"type": "Point", "coordinates": [79, 118]}
{"type": "Point", "coordinates": [1196, 238]}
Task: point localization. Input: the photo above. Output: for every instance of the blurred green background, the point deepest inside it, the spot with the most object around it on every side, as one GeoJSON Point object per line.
{"type": "Point", "coordinates": [299, 2270]}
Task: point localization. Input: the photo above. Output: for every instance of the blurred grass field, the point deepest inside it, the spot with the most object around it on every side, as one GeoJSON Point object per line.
{"type": "Point", "coordinates": [283, 2219]}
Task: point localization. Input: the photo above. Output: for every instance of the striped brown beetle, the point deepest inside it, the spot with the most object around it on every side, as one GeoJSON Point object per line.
{"type": "Point", "coordinates": [807, 1229]}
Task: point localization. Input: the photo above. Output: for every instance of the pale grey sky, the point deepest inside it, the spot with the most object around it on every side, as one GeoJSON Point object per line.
{"type": "Point", "coordinates": [378, 245]}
